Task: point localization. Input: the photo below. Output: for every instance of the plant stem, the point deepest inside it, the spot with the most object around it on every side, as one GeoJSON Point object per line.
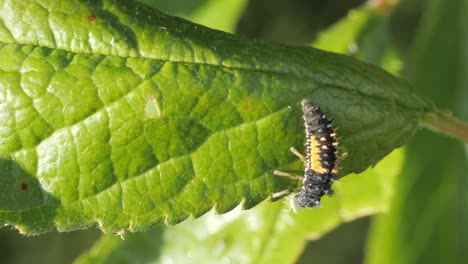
{"type": "Point", "coordinates": [446, 123]}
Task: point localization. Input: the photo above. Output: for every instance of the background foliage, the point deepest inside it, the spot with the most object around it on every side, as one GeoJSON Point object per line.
{"type": "Point", "coordinates": [427, 196]}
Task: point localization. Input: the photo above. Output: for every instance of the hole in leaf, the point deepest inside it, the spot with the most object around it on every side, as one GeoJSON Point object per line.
{"type": "Point", "coordinates": [152, 109]}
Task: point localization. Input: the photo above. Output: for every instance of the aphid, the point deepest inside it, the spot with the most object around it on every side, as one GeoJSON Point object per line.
{"type": "Point", "coordinates": [321, 160]}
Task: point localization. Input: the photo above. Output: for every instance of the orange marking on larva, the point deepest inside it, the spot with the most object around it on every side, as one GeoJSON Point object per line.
{"type": "Point", "coordinates": [315, 160]}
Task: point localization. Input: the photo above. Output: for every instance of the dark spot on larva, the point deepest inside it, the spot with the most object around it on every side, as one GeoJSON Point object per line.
{"type": "Point", "coordinates": [24, 186]}
{"type": "Point", "coordinates": [91, 18]}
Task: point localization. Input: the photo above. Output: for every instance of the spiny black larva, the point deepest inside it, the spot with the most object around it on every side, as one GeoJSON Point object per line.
{"type": "Point", "coordinates": [321, 160]}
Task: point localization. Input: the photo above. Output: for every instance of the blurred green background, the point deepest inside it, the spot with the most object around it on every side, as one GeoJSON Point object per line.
{"type": "Point", "coordinates": [431, 37]}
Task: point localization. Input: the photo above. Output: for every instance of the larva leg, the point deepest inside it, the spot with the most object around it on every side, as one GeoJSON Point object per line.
{"type": "Point", "coordinates": [287, 174]}
{"type": "Point", "coordinates": [284, 193]}
{"type": "Point", "coordinates": [299, 155]}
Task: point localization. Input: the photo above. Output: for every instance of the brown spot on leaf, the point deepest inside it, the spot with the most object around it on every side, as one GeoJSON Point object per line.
{"type": "Point", "coordinates": [24, 186]}
{"type": "Point", "coordinates": [92, 18]}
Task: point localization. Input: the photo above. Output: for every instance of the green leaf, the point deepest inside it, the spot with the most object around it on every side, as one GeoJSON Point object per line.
{"type": "Point", "coordinates": [217, 14]}
{"type": "Point", "coordinates": [343, 36]}
{"type": "Point", "coordinates": [427, 220]}
{"type": "Point", "coordinates": [74, 88]}
{"type": "Point", "coordinates": [269, 233]}
{"type": "Point", "coordinates": [363, 34]}
{"type": "Point", "coordinates": [357, 196]}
